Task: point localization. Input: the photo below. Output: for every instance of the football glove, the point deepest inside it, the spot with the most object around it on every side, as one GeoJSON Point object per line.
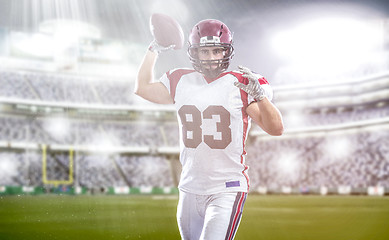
{"type": "Point", "coordinates": [253, 88]}
{"type": "Point", "coordinates": [155, 47]}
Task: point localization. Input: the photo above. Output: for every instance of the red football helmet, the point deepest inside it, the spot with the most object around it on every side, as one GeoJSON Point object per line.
{"type": "Point", "coordinates": [210, 33]}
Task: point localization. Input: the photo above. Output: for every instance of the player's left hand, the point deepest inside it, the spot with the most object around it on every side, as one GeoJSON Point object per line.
{"type": "Point", "coordinates": [253, 87]}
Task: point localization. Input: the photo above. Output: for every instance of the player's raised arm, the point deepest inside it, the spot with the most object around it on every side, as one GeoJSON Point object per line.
{"type": "Point", "coordinates": [263, 112]}
{"type": "Point", "coordinates": [145, 87]}
{"type": "Point", "coordinates": [167, 35]}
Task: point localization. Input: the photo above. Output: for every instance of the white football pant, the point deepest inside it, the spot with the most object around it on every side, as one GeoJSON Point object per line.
{"type": "Point", "coordinates": [209, 217]}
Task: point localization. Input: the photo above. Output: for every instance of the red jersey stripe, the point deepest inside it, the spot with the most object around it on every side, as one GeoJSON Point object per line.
{"type": "Point", "coordinates": [245, 102]}
{"type": "Point", "coordinates": [175, 77]}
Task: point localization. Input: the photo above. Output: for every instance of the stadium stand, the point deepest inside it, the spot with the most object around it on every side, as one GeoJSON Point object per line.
{"type": "Point", "coordinates": [301, 159]}
{"type": "Point", "coordinates": [54, 87]}
{"type": "Point", "coordinates": [308, 162]}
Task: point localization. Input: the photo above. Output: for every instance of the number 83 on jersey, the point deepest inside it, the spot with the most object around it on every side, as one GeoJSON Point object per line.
{"type": "Point", "coordinates": [192, 122]}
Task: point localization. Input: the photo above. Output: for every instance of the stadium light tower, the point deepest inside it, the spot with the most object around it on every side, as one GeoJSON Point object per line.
{"type": "Point", "coordinates": [37, 44]}
{"type": "Point", "coordinates": [69, 30]}
{"type": "Point", "coordinates": [66, 35]}
{"type": "Point", "coordinates": [322, 38]}
{"type": "Point", "coordinates": [329, 45]}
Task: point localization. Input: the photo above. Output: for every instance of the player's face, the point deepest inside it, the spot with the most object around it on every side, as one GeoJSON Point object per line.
{"type": "Point", "coordinates": [211, 53]}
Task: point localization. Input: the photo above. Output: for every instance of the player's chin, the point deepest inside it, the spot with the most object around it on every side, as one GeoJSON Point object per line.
{"type": "Point", "coordinates": [210, 73]}
{"type": "Point", "coordinates": [211, 67]}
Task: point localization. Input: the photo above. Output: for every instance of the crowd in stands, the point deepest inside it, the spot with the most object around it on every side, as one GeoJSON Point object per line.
{"type": "Point", "coordinates": [357, 159]}
{"type": "Point", "coordinates": [65, 88]}
{"type": "Point", "coordinates": [86, 132]}
{"type": "Point", "coordinates": [301, 161]}
{"type": "Point", "coordinates": [308, 162]}
{"type": "Point", "coordinates": [136, 133]}
{"type": "Point", "coordinates": [89, 170]}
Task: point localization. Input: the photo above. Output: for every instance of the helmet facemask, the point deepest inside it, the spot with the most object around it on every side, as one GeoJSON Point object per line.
{"type": "Point", "coordinates": [207, 67]}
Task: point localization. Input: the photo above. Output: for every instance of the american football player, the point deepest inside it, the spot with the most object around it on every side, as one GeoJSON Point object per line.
{"type": "Point", "coordinates": [214, 108]}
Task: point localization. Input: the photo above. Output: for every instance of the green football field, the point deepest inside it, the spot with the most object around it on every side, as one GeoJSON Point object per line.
{"type": "Point", "coordinates": [153, 217]}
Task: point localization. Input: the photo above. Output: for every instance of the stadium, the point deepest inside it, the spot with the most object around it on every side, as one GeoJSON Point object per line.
{"type": "Point", "coordinates": [82, 157]}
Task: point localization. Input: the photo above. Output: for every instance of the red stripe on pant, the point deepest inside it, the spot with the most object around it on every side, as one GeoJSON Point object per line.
{"type": "Point", "coordinates": [236, 215]}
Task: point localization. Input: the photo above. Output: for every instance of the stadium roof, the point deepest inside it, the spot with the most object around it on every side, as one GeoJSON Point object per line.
{"type": "Point", "coordinates": [128, 20]}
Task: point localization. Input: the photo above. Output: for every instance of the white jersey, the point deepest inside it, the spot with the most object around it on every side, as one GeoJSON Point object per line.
{"type": "Point", "coordinates": [213, 129]}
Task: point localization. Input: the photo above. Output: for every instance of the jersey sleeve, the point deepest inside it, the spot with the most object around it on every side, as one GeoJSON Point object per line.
{"type": "Point", "coordinates": [171, 78]}
{"type": "Point", "coordinates": [165, 81]}
{"type": "Point", "coordinates": [262, 80]}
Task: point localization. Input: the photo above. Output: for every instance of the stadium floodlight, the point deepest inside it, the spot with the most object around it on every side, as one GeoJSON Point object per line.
{"type": "Point", "coordinates": [105, 142]}
{"type": "Point", "coordinates": [322, 38]}
{"type": "Point", "coordinates": [114, 52]}
{"type": "Point", "coordinates": [37, 44]}
{"type": "Point", "coordinates": [69, 29]}
{"type": "Point", "coordinates": [66, 35]}
{"type": "Point", "coordinates": [338, 147]}
{"type": "Point", "coordinates": [329, 44]}
{"type": "Point", "coordinates": [8, 167]}
{"type": "Point", "coordinates": [295, 118]}
{"type": "Point", "coordinates": [288, 163]}
{"type": "Point", "coordinates": [57, 127]}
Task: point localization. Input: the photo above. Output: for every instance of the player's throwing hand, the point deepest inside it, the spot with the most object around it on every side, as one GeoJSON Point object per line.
{"type": "Point", "coordinates": [155, 47]}
{"type": "Point", "coordinates": [253, 87]}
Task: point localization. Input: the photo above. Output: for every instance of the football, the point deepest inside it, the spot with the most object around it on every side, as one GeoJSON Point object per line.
{"type": "Point", "coordinates": [166, 30]}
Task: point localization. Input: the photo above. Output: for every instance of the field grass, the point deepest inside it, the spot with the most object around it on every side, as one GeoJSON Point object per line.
{"type": "Point", "coordinates": [153, 217]}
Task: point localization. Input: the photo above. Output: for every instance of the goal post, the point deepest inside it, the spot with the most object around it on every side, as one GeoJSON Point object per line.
{"type": "Point", "coordinates": [57, 182]}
